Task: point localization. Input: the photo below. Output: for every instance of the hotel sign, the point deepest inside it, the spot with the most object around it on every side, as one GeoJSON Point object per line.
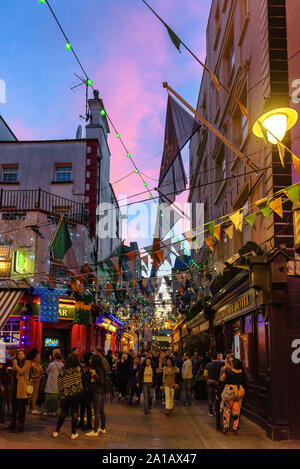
{"type": "Point", "coordinates": [241, 305]}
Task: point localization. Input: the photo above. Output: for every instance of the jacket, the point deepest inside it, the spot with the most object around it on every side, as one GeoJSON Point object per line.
{"type": "Point", "coordinates": [171, 376]}
{"type": "Point", "coordinates": [187, 370]}
{"type": "Point", "coordinates": [22, 378]}
{"type": "Point", "coordinates": [133, 375]}
{"type": "Point", "coordinates": [97, 381]}
{"type": "Point", "coordinates": [141, 374]}
{"type": "Point", "coordinates": [69, 382]}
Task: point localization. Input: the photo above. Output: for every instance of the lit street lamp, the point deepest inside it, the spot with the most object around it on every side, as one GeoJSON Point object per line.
{"type": "Point", "coordinates": [276, 122]}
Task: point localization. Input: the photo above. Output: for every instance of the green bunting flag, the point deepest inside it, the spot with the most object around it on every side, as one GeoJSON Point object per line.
{"type": "Point", "coordinates": [174, 38]}
{"type": "Point", "coordinates": [211, 228]}
{"type": "Point", "coordinates": [292, 192]}
{"type": "Point", "coordinates": [264, 207]}
{"type": "Point", "coordinates": [62, 241]}
{"type": "Point", "coordinates": [251, 219]}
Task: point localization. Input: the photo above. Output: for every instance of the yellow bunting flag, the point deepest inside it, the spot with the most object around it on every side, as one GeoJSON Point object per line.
{"type": "Point", "coordinates": [296, 162]}
{"type": "Point", "coordinates": [218, 232]}
{"type": "Point", "coordinates": [210, 243]}
{"type": "Point", "coordinates": [237, 219]}
{"type": "Point", "coordinates": [214, 79]}
{"type": "Point", "coordinates": [276, 205]}
{"type": "Point", "coordinates": [242, 108]}
{"type": "Point", "coordinates": [229, 231]}
{"type": "Point", "coordinates": [281, 151]}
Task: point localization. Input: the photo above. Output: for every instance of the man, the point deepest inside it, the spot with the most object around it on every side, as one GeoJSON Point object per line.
{"type": "Point", "coordinates": [212, 373]}
{"type": "Point", "coordinates": [74, 350]}
{"type": "Point", "coordinates": [196, 364]}
{"type": "Point", "coordinates": [187, 376]}
{"type": "Point", "coordinates": [100, 352]}
{"type": "Point", "coordinates": [177, 362]}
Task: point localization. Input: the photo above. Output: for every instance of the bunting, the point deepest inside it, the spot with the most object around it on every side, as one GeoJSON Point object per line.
{"type": "Point", "coordinates": [292, 192]}
{"type": "Point", "coordinates": [211, 228]}
{"type": "Point", "coordinates": [281, 151]}
{"type": "Point", "coordinates": [296, 162]}
{"type": "Point", "coordinates": [218, 232]}
{"type": "Point", "coordinates": [251, 219]}
{"type": "Point", "coordinates": [276, 205]}
{"type": "Point", "coordinates": [264, 207]}
{"type": "Point", "coordinates": [210, 243]}
{"type": "Point", "coordinates": [237, 219]}
{"type": "Point", "coordinates": [229, 231]}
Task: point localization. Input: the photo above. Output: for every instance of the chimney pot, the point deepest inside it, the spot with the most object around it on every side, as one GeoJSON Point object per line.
{"type": "Point", "coordinates": [96, 94]}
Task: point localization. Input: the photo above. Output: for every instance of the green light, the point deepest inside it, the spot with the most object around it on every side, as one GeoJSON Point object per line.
{"type": "Point", "coordinates": [68, 46]}
{"type": "Point", "coordinates": [145, 184]}
{"type": "Point", "coordinates": [102, 112]}
{"type": "Point", "coordinates": [150, 196]}
{"type": "Point", "coordinates": [117, 135]}
{"type": "Point", "coordinates": [89, 82]}
{"type": "Point", "coordinates": [136, 171]}
{"type": "Point", "coordinates": [42, 1]}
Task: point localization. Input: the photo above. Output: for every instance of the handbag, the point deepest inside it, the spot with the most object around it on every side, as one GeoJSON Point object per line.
{"type": "Point", "coordinates": [229, 393]}
{"type": "Point", "coordinates": [29, 389]}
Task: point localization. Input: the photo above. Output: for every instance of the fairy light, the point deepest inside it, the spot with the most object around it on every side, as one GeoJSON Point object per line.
{"type": "Point", "coordinates": [68, 46]}
{"type": "Point", "coordinates": [117, 135]}
{"type": "Point", "coordinates": [89, 82]}
{"type": "Point", "coordinates": [102, 112]}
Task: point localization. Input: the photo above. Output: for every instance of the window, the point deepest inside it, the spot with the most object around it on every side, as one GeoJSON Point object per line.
{"type": "Point", "coordinates": [217, 27]}
{"type": "Point", "coordinates": [220, 169]}
{"type": "Point", "coordinates": [63, 173]}
{"type": "Point", "coordinates": [10, 173]}
{"type": "Point", "coordinates": [10, 334]}
{"type": "Point", "coordinates": [240, 121]}
{"type": "Point", "coordinates": [229, 59]}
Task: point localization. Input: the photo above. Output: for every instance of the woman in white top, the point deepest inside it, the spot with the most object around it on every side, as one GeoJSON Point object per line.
{"type": "Point", "coordinates": [51, 389]}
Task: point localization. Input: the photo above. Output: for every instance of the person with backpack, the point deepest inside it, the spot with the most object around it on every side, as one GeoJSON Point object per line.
{"type": "Point", "coordinates": [70, 387]}
{"type": "Point", "coordinates": [99, 384]}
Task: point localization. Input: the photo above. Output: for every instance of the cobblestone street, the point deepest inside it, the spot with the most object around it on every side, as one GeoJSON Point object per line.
{"type": "Point", "coordinates": [129, 428]}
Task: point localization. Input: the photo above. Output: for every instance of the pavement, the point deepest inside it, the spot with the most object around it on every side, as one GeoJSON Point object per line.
{"type": "Point", "coordinates": [189, 427]}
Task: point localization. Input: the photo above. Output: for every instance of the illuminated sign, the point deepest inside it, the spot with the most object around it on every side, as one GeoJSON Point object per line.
{"type": "Point", "coordinates": [20, 262]}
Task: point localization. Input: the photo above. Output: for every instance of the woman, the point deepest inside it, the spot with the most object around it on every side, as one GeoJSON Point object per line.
{"type": "Point", "coordinates": [159, 379]}
{"type": "Point", "coordinates": [70, 386]}
{"type": "Point", "coordinates": [51, 390]}
{"type": "Point", "coordinates": [97, 385]}
{"type": "Point", "coordinates": [147, 380]}
{"type": "Point", "coordinates": [233, 394]}
{"type": "Point", "coordinates": [134, 370]}
{"type": "Point", "coordinates": [86, 397]}
{"type": "Point", "coordinates": [36, 375]}
{"type": "Point", "coordinates": [21, 372]}
{"type": "Point", "coordinates": [122, 376]}
{"type": "Point", "coordinates": [170, 382]}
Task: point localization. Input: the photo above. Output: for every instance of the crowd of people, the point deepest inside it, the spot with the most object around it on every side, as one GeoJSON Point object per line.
{"type": "Point", "coordinates": [81, 386]}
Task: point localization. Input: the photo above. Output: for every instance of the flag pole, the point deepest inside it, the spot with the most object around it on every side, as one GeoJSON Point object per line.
{"type": "Point", "coordinates": [212, 129]}
{"type": "Point", "coordinates": [53, 236]}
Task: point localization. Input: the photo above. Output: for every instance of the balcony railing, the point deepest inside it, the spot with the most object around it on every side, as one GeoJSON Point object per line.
{"type": "Point", "coordinates": [39, 200]}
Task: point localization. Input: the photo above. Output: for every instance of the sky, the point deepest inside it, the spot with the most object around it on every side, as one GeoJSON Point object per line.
{"type": "Point", "coordinates": [126, 52]}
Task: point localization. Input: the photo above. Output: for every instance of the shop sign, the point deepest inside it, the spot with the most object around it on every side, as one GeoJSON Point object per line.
{"type": "Point", "coordinates": [20, 262]}
{"type": "Point", "coordinates": [66, 311]}
{"type": "Point", "coordinates": [240, 305]}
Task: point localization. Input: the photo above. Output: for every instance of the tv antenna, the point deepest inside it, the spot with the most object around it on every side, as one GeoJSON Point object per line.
{"type": "Point", "coordinates": [83, 82]}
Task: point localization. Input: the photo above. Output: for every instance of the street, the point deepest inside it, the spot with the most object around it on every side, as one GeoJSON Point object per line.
{"type": "Point", "coordinates": [129, 428]}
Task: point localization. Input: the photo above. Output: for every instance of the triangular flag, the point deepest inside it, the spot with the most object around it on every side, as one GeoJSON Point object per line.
{"type": "Point", "coordinates": [251, 219]}
{"type": "Point", "coordinates": [214, 79]}
{"type": "Point", "coordinates": [210, 243]}
{"type": "Point", "coordinates": [264, 207]}
{"type": "Point", "coordinates": [145, 260]}
{"type": "Point", "coordinates": [218, 232]}
{"type": "Point", "coordinates": [115, 262]}
{"type": "Point", "coordinates": [276, 205]}
{"type": "Point", "coordinates": [229, 231]}
{"type": "Point", "coordinates": [211, 227]}
{"type": "Point", "coordinates": [281, 151]}
{"type": "Point", "coordinates": [174, 38]}
{"type": "Point", "coordinates": [292, 192]}
{"type": "Point", "coordinates": [296, 162]}
{"type": "Point", "coordinates": [237, 219]}
{"type": "Point", "coordinates": [131, 255]}
{"type": "Point", "coordinates": [242, 109]}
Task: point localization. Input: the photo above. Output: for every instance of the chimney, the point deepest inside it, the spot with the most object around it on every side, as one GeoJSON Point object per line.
{"type": "Point", "coordinates": [96, 119]}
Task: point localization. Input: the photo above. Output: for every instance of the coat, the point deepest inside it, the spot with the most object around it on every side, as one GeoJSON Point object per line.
{"type": "Point", "coordinates": [22, 378]}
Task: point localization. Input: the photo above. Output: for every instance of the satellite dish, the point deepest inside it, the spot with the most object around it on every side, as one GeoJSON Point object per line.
{"type": "Point", "coordinates": [79, 132]}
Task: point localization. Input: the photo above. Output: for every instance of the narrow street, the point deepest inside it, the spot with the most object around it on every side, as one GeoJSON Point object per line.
{"type": "Point", "coordinates": [129, 428]}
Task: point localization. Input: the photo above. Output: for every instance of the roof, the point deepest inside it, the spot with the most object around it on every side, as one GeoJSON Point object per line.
{"type": "Point", "coordinates": [8, 128]}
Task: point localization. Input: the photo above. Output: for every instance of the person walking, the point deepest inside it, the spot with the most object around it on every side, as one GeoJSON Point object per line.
{"type": "Point", "coordinates": [51, 389]}
{"type": "Point", "coordinates": [122, 376]}
{"type": "Point", "coordinates": [187, 376]}
{"type": "Point", "coordinates": [171, 376]}
{"type": "Point", "coordinates": [134, 369]}
{"type": "Point", "coordinates": [35, 379]}
{"type": "Point", "coordinates": [98, 376]}
{"type": "Point", "coordinates": [146, 383]}
{"type": "Point", "coordinates": [159, 380]}
{"type": "Point", "coordinates": [21, 372]}
{"type": "Point", "coordinates": [86, 397]}
{"type": "Point", "coordinates": [212, 373]}
{"type": "Point", "coordinates": [70, 386]}
{"type": "Point", "coordinates": [233, 394]}
{"type": "Point", "coordinates": [100, 352]}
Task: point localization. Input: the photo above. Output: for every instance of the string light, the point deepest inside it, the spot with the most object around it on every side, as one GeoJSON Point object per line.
{"type": "Point", "coordinates": [117, 135]}
{"type": "Point", "coordinates": [102, 112]}
{"type": "Point", "coordinates": [68, 46]}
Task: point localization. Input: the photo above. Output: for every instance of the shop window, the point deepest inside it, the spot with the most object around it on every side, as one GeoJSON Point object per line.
{"type": "Point", "coordinates": [261, 345]}
{"type": "Point", "coordinates": [10, 333]}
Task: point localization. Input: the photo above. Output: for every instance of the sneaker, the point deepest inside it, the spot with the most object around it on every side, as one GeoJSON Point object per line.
{"type": "Point", "coordinates": [54, 434]}
{"type": "Point", "coordinates": [210, 414]}
{"type": "Point", "coordinates": [52, 414]}
{"type": "Point", "coordinates": [36, 412]}
{"type": "Point", "coordinates": [92, 433]}
{"type": "Point", "coordinates": [74, 436]}
{"type": "Point", "coordinates": [100, 430]}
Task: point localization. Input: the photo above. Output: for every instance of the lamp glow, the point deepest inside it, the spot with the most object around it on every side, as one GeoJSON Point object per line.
{"type": "Point", "coordinates": [276, 122]}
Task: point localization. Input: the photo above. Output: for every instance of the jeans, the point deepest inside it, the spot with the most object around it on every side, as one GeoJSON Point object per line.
{"type": "Point", "coordinates": [169, 395]}
{"type": "Point", "coordinates": [72, 404]}
{"type": "Point", "coordinates": [85, 407]}
{"type": "Point", "coordinates": [18, 412]}
{"type": "Point", "coordinates": [159, 382]}
{"type": "Point", "coordinates": [147, 393]}
{"type": "Point", "coordinates": [212, 388]}
{"type": "Point", "coordinates": [98, 402]}
{"type": "Point", "coordinates": [187, 383]}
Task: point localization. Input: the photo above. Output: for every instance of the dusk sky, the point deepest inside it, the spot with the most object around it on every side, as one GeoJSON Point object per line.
{"type": "Point", "coordinates": [126, 52]}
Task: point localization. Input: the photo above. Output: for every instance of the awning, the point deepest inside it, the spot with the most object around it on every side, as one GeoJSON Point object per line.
{"type": "Point", "coordinates": [8, 300]}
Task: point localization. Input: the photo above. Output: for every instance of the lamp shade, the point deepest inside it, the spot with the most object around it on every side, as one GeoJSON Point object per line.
{"type": "Point", "coordinates": [276, 122]}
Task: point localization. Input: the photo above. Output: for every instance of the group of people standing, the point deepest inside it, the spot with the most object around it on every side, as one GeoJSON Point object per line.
{"type": "Point", "coordinates": [69, 384]}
